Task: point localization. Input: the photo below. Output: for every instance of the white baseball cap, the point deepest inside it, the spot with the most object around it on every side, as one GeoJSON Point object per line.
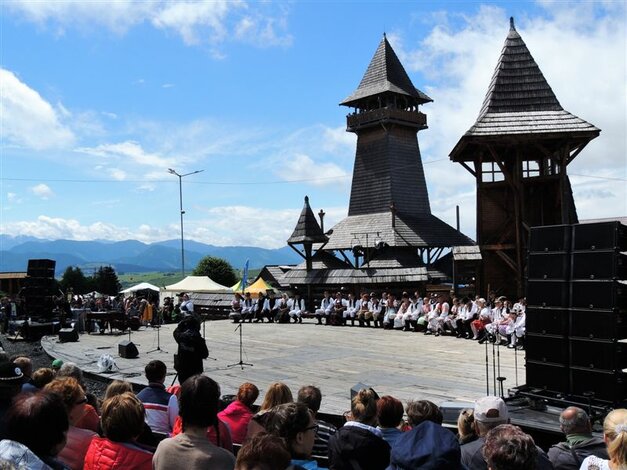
{"type": "Point", "coordinates": [491, 409]}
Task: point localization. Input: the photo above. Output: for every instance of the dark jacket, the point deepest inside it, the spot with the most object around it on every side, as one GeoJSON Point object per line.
{"type": "Point", "coordinates": [472, 457]}
{"type": "Point", "coordinates": [428, 446]}
{"type": "Point", "coordinates": [562, 458]}
{"type": "Point", "coordinates": [353, 448]}
{"type": "Point", "coordinates": [192, 348]}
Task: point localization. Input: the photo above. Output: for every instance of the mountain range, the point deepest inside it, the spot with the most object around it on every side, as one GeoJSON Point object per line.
{"type": "Point", "coordinates": [132, 255]}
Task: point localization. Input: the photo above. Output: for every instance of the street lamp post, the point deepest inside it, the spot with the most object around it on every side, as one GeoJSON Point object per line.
{"type": "Point", "coordinates": [173, 172]}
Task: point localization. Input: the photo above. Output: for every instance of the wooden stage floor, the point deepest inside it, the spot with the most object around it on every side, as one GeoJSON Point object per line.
{"type": "Point", "coordinates": [402, 364]}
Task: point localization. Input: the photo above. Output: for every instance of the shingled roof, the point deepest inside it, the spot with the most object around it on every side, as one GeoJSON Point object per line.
{"type": "Point", "coordinates": [385, 74]}
{"type": "Point", "coordinates": [520, 102]}
{"type": "Point", "coordinates": [307, 229]}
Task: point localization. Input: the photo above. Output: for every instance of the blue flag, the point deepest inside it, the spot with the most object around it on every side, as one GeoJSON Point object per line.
{"type": "Point", "coordinates": [245, 276]}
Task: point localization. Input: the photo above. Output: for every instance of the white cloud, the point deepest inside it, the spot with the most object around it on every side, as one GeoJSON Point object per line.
{"type": "Point", "coordinates": [27, 119]}
{"type": "Point", "coordinates": [12, 197]}
{"type": "Point", "coordinates": [117, 174]}
{"type": "Point", "coordinates": [42, 191]}
{"type": "Point", "coordinates": [128, 151]}
{"type": "Point", "coordinates": [302, 167]}
{"type": "Point", "coordinates": [167, 85]}
{"type": "Point", "coordinates": [261, 24]}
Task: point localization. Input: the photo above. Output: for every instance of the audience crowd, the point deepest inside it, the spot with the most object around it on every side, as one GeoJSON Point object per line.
{"type": "Point", "coordinates": [48, 421]}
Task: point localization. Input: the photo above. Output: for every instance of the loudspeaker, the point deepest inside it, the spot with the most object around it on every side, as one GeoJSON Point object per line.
{"type": "Point", "coordinates": [41, 267]}
{"type": "Point", "coordinates": [127, 349]}
{"type": "Point", "coordinates": [68, 335]}
{"type": "Point", "coordinates": [547, 376]}
{"type": "Point", "coordinates": [597, 324]}
{"type": "Point", "coordinates": [604, 295]}
{"type": "Point", "coordinates": [608, 386]}
{"type": "Point", "coordinates": [547, 293]}
{"type": "Point", "coordinates": [598, 354]}
{"type": "Point", "coordinates": [598, 265]}
{"type": "Point", "coordinates": [600, 236]}
{"type": "Point", "coordinates": [548, 265]}
{"type": "Point", "coordinates": [543, 321]}
{"type": "Point", "coordinates": [550, 238]}
{"type": "Point", "coordinates": [547, 348]}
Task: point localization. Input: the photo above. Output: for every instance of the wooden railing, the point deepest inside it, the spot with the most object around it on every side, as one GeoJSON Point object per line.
{"type": "Point", "coordinates": [416, 118]}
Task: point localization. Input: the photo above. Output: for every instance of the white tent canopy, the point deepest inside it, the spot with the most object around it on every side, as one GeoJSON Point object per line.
{"type": "Point", "coordinates": [140, 286]}
{"type": "Point", "coordinates": [198, 284]}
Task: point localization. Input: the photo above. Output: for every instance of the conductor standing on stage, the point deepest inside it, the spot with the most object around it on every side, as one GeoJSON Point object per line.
{"type": "Point", "coordinates": [192, 348]}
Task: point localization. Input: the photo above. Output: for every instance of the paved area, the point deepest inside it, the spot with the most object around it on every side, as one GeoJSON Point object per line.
{"type": "Point", "coordinates": [403, 364]}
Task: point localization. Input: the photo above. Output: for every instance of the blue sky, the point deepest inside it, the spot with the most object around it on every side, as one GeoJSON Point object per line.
{"type": "Point", "coordinates": [99, 99]}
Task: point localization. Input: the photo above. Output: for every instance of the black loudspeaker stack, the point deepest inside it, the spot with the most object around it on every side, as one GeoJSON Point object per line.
{"type": "Point", "coordinates": [127, 349]}
{"type": "Point", "coordinates": [576, 321]}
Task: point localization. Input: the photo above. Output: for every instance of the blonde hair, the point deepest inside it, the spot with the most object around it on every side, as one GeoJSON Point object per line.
{"type": "Point", "coordinates": [117, 387]}
{"type": "Point", "coordinates": [364, 406]}
{"type": "Point", "coordinates": [615, 431]}
{"type": "Point", "coordinates": [466, 422]}
{"type": "Point", "coordinates": [277, 394]}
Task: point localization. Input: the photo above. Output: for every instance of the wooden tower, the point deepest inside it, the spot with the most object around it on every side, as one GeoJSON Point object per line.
{"type": "Point", "coordinates": [518, 151]}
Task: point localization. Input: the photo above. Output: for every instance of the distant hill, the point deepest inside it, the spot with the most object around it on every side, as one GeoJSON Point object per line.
{"type": "Point", "coordinates": [132, 255]}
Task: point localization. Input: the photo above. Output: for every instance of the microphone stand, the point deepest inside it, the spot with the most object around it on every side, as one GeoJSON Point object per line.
{"type": "Point", "coordinates": [241, 362]}
{"type": "Point", "coordinates": [158, 348]}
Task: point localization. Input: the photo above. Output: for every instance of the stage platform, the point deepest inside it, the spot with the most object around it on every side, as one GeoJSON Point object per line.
{"type": "Point", "coordinates": [406, 365]}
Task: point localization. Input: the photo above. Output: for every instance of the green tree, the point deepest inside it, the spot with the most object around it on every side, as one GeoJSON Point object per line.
{"type": "Point", "coordinates": [106, 281]}
{"type": "Point", "coordinates": [217, 269]}
{"type": "Point", "coordinates": [74, 278]}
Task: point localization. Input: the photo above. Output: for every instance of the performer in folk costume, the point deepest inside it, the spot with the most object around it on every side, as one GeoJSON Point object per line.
{"type": "Point", "coordinates": [192, 348]}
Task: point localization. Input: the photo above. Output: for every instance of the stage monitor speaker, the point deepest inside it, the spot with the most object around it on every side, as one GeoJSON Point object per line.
{"type": "Point", "coordinates": [68, 335]}
{"type": "Point", "coordinates": [542, 293]}
{"type": "Point", "coordinates": [602, 295]}
{"type": "Point", "coordinates": [547, 376]}
{"type": "Point", "coordinates": [554, 265]}
{"type": "Point", "coordinates": [600, 236]}
{"type": "Point", "coordinates": [598, 265]}
{"type": "Point", "coordinates": [547, 348]}
{"type": "Point", "coordinates": [605, 355]}
{"type": "Point", "coordinates": [608, 386]}
{"type": "Point", "coordinates": [547, 321]}
{"type": "Point", "coordinates": [550, 238]}
{"type": "Point", "coordinates": [597, 324]}
{"type": "Point", "coordinates": [127, 349]}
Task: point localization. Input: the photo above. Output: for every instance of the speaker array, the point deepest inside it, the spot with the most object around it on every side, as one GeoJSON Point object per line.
{"type": "Point", "coordinates": [577, 310]}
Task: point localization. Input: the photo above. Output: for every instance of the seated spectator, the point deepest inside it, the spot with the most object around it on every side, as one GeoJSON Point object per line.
{"type": "Point", "coordinates": [248, 307]}
{"type": "Point", "coordinates": [375, 311]}
{"type": "Point", "coordinates": [270, 307]}
{"type": "Point", "coordinates": [42, 377]}
{"type": "Point", "coordinates": [258, 313]}
{"type": "Point", "coordinates": [427, 446]}
{"type": "Point", "coordinates": [90, 419]}
{"type": "Point", "coordinates": [36, 426]}
{"type": "Point", "coordinates": [297, 308]}
{"type": "Point", "coordinates": [466, 426]}
{"type": "Point", "coordinates": [161, 407]}
{"type": "Point", "coordinates": [326, 305]}
{"type": "Point", "coordinates": [507, 447]}
{"type": "Point", "coordinates": [336, 317]}
{"type": "Point", "coordinates": [56, 365]}
{"type": "Point", "coordinates": [390, 417]}
{"type": "Point", "coordinates": [579, 444]}
{"type": "Point", "coordinates": [359, 444]}
{"type": "Point", "coordinates": [236, 308]}
{"type": "Point", "coordinates": [615, 437]}
{"type": "Point", "coordinates": [352, 307]}
{"type": "Point", "coordinates": [191, 449]}
{"type": "Point", "coordinates": [312, 397]}
{"type": "Point", "coordinates": [263, 452]}
{"type": "Point", "coordinates": [238, 413]}
{"type": "Point", "coordinates": [276, 394]}
{"type": "Point", "coordinates": [78, 440]}
{"type": "Point", "coordinates": [26, 366]}
{"type": "Point", "coordinates": [491, 412]}
{"type": "Point", "coordinates": [423, 410]}
{"type": "Point", "coordinates": [10, 385]}
{"type": "Point", "coordinates": [516, 329]}
{"type": "Point", "coordinates": [122, 423]}
{"type": "Point", "coordinates": [295, 424]}
{"type": "Point", "coordinates": [363, 314]}
{"type": "Point", "coordinates": [117, 387]}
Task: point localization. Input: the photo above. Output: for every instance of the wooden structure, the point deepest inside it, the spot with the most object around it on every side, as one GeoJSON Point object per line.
{"type": "Point", "coordinates": [518, 151]}
{"type": "Point", "coordinates": [389, 239]}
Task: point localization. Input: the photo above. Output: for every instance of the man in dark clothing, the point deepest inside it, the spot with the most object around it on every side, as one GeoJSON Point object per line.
{"type": "Point", "coordinates": [312, 397]}
{"type": "Point", "coordinates": [192, 348]}
{"type": "Point", "coordinates": [489, 413]}
{"type": "Point", "coordinates": [580, 443]}
{"type": "Point", "coordinates": [11, 379]}
{"type": "Point", "coordinates": [427, 446]}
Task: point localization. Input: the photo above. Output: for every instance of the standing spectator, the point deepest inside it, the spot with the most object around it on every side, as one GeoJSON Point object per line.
{"type": "Point", "coordinates": [359, 444]}
{"type": "Point", "coordinates": [238, 413]}
{"type": "Point", "coordinates": [122, 423]}
{"type": "Point", "coordinates": [312, 397]}
{"type": "Point", "coordinates": [36, 432]}
{"type": "Point", "coordinates": [192, 348]}
{"type": "Point", "coordinates": [615, 437]}
{"type": "Point", "coordinates": [191, 449]}
{"type": "Point", "coordinates": [78, 440]}
{"type": "Point", "coordinates": [507, 447]}
{"type": "Point", "coordinates": [390, 416]}
{"type": "Point", "coordinates": [161, 407]}
{"type": "Point", "coordinates": [580, 443]}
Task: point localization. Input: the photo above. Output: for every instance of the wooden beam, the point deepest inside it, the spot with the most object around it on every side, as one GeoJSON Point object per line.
{"type": "Point", "coordinates": [499, 247]}
{"type": "Point", "coordinates": [470, 170]}
{"type": "Point", "coordinates": [508, 261]}
{"type": "Point", "coordinates": [576, 152]}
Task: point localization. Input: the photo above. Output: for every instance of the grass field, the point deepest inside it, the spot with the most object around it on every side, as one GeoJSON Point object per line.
{"type": "Point", "coordinates": [165, 279]}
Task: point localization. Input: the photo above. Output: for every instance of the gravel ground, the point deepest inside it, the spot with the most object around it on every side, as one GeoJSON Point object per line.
{"type": "Point", "coordinates": [39, 359]}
